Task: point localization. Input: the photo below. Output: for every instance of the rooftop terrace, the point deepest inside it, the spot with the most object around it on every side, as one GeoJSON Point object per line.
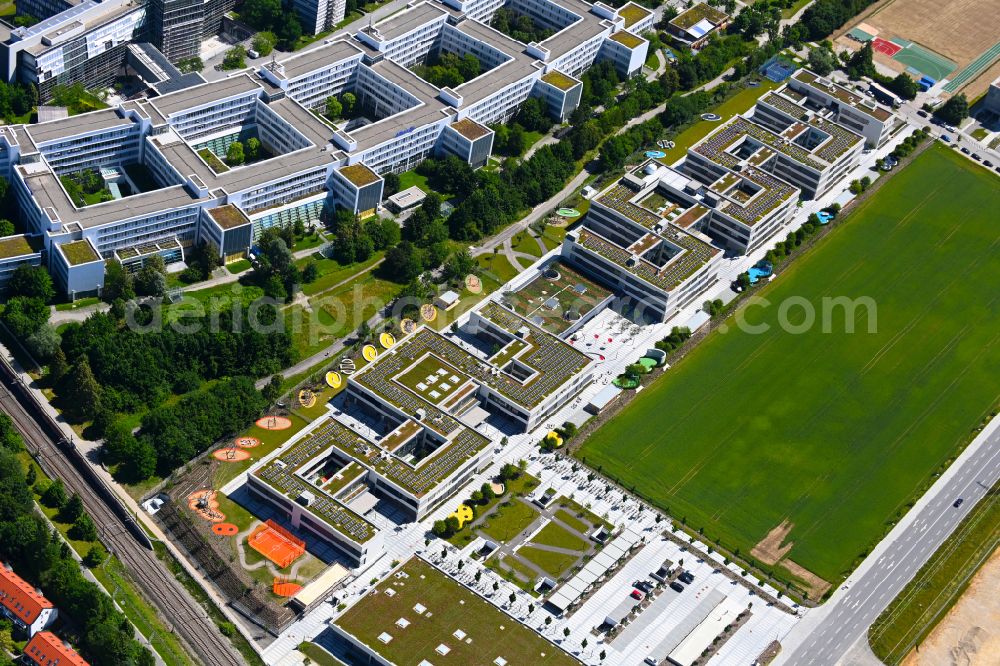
{"type": "Point", "coordinates": [420, 616]}
{"type": "Point", "coordinates": [699, 12]}
{"type": "Point", "coordinates": [841, 94]}
{"type": "Point", "coordinates": [281, 474]}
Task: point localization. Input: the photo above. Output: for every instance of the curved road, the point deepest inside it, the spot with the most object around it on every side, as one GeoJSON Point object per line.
{"type": "Point", "coordinates": [826, 634]}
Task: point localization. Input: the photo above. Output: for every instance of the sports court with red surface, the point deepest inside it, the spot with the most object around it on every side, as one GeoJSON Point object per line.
{"type": "Point", "coordinates": [276, 544]}
{"type": "Point", "coordinates": [885, 46]}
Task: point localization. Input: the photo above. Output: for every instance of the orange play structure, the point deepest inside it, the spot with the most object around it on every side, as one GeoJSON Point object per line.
{"type": "Point", "coordinates": [276, 544]}
{"type": "Point", "coordinates": [283, 588]}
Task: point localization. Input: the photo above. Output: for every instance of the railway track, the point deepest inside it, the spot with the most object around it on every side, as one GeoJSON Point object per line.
{"type": "Point", "coordinates": [182, 614]}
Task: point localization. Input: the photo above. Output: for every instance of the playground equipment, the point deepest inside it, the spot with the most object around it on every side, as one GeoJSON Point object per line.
{"type": "Point", "coordinates": [554, 440]}
{"type": "Point", "coordinates": [759, 270]}
{"type": "Point", "coordinates": [333, 379]}
{"type": "Point", "coordinates": [568, 212]}
{"type": "Point", "coordinates": [307, 398]}
{"type": "Point", "coordinates": [282, 587]}
{"type": "Point", "coordinates": [473, 284]}
{"type": "Point", "coordinates": [407, 326]}
{"type": "Point", "coordinates": [369, 353]}
{"type": "Point", "coordinates": [274, 422]}
{"type": "Point", "coordinates": [655, 154]}
{"type": "Point", "coordinates": [711, 117]}
{"type": "Point", "coordinates": [428, 312]}
{"type": "Point", "coordinates": [386, 340]}
{"type": "Point", "coordinates": [462, 514]}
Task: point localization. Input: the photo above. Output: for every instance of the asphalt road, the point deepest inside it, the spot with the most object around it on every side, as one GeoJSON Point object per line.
{"type": "Point", "coordinates": [845, 618]}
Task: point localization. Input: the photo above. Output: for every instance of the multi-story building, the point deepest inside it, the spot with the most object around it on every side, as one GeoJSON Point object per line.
{"type": "Point", "coordinates": [855, 112]}
{"type": "Point", "coordinates": [27, 608]}
{"type": "Point", "coordinates": [656, 234]}
{"type": "Point", "coordinates": [694, 26]}
{"type": "Point", "coordinates": [414, 415]}
{"type": "Point", "coordinates": [164, 156]}
{"type": "Point", "coordinates": [46, 649]}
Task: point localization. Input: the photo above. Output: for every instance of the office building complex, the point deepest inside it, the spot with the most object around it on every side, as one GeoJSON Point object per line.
{"type": "Point", "coordinates": [655, 235]}
{"type": "Point", "coordinates": [414, 415]}
{"type": "Point", "coordinates": [162, 159]}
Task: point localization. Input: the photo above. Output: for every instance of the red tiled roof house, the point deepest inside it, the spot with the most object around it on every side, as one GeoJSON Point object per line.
{"type": "Point", "coordinates": [45, 649]}
{"type": "Point", "coordinates": [27, 609]}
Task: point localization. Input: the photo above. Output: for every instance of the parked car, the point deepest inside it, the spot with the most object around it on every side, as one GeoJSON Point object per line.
{"type": "Point", "coordinates": [637, 595]}
{"type": "Point", "coordinates": [951, 128]}
{"type": "Point", "coordinates": [643, 585]}
{"type": "Point", "coordinates": [922, 113]}
{"type": "Point", "coordinates": [958, 502]}
{"type": "Point", "coordinates": [686, 577]}
{"type": "Point", "coordinates": [965, 151]}
{"type": "Point", "coordinates": [676, 587]}
{"type": "Point", "coordinates": [253, 54]}
{"type": "Point", "coordinates": [661, 574]}
{"type": "Point", "coordinates": [988, 163]}
{"type": "Point", "coordinates": [976, 156]}
{"type": "Point", "coordinates": [946, 138]}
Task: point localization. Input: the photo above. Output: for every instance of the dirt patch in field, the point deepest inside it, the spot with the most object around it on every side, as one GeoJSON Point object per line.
{"type": "Point", "coordinates": [817, 587]}
{"type": "Point", "coordinates": [770, 550]}
{"type": "Point", "coordinates": [969, 635]}
{"type": "Point", "coordinates": [774, 548]}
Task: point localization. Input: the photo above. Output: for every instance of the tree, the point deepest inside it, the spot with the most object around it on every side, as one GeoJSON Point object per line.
{"type": "Point", "coordinates": [95, 556]}
{"type": "Point", "coordinates": [6, 228]}
{"type": "Point", "coordinates": [453, 524]}
{"type": "Point", "coordinates": [822, 59]}
{"type": "Point", "coordinates": [334, 108]}
{"type": "Point", "coordinates": [263, 42]}
{"type": "Point", "coordinates": [404, 262]}
{"type": "Point", "coordinates": [509, 472]}
{"type": "Point", "coordinates": [72, 509]}
{"type": "Point", "coordinates": [440, 529]}
{"type": "Point", "coordinates": [234, 154]}
{"type": "Point", "coordinates": [54, 496]}
{"type": "Point", "coordinates": [84, 391]}
{"type": "Point", "coordinates": [24, 315]}
{"type": "Point", "coordinates": [290, 30]}
{"type": "Point", "coordinates": [348, 100]}
{"type": "Point", "coordinates": [44, 342]}
{"type": "Point", "coordinates": [118, 283]}
{"type": "Point", "coordinates": [861, 64]}
{"type": "Point", "coordinates": [83, 529]}
{"type": "Point", "coordinates": [150, 281]}
{"type": "Point", "coordinates": [235, 58]}
{"type": "Point", "coordinates": [253, 148]}
{"type": "Point", "coordinates": [31, 281]}
{"type": "Point", "coordinates": [955, 110]}
{"type": "Point", "coordinates": [904, 86]}
{"type": "Point", "coordinates": [261, 14]}
{"type": "Point", "coordinates": [190, 65]}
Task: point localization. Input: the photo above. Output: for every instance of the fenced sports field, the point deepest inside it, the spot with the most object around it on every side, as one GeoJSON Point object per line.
{"type": "Point", "coordinates": [953, 39]}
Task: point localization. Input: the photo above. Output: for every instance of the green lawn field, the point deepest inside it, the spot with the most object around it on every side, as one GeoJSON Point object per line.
{"type": "Point", "coordinates": [834, 432]}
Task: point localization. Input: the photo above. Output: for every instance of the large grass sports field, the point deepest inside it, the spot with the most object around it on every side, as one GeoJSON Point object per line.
{"type": "Point", "coordinates": [834, 432]}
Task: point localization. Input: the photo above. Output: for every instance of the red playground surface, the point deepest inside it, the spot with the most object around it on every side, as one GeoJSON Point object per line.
{"type": "Point", "coordinates": [276, 544]}
{"type": "Point", "coordinates": [885, 47]}
{"type": "Point", "coordinates": [283, 588]}
{"type": "Point", "coordinates": [225, 529]}
{"type": "Point", "coordinates": [274, 423]}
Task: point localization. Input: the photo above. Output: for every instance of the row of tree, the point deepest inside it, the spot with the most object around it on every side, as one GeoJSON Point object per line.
{"type": "Point", "coordinates": [103, 634]}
